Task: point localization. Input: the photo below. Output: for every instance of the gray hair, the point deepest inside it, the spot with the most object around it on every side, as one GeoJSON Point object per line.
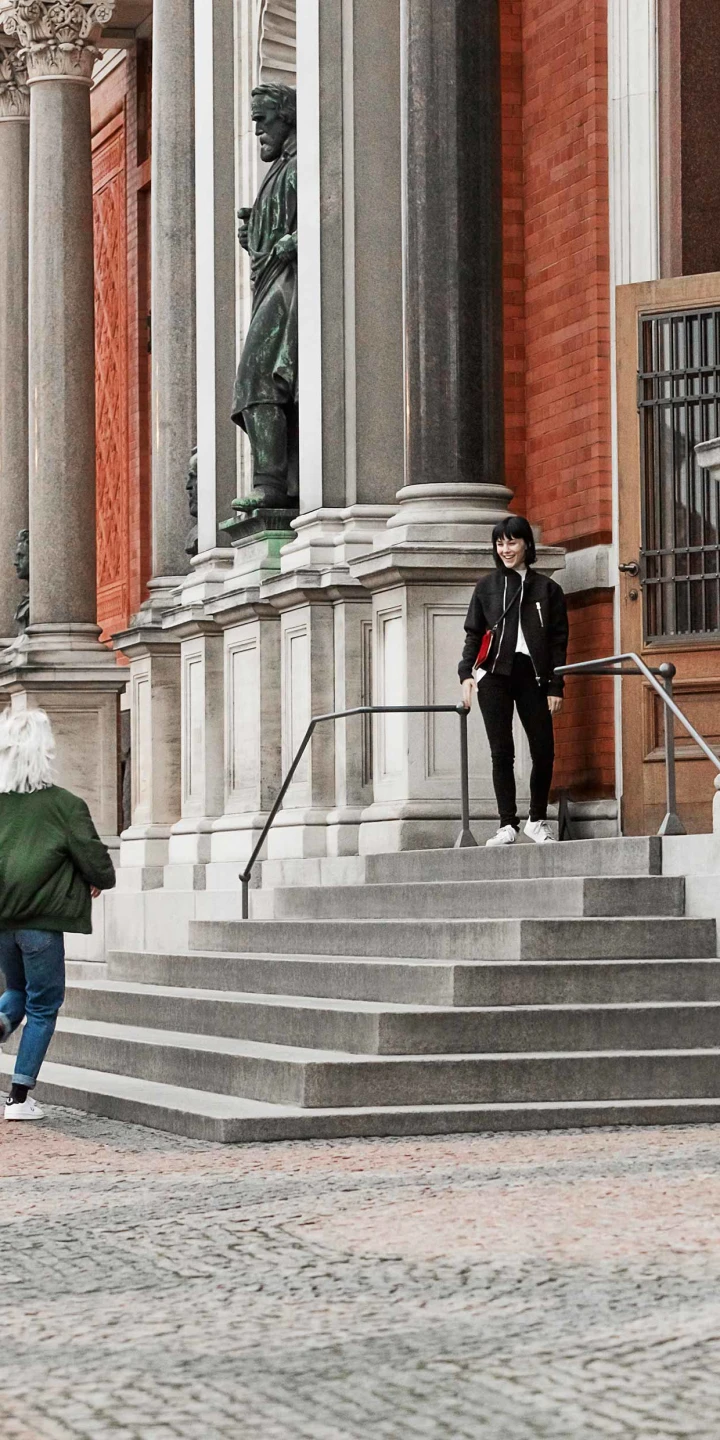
{"type": "Point", "coordinates": [283, 97]}
{"type": "Point", "coordinates": [27, 750]}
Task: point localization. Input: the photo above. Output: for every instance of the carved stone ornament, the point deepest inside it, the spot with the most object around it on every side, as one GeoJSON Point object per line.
{"type": "Point", "coordinates": [14, 92]}
{"type": "Point", "coordinates": [58, 38]}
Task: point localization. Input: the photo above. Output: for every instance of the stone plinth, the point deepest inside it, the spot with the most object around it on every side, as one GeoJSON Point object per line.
{"type": "Point", "coordinates": [63, 670]}
{"type": "Point", "coordinates": [201, 739]}
{"type": "Point", "coordinates": [421, 575]}
{"type": "Point", "coordinates": [155, 720]}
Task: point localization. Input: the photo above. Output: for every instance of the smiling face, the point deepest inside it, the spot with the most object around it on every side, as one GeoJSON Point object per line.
{"type": "Point", "coordinates": [512, 552]}
{"type": "Point", "coordinates": [272, 131]}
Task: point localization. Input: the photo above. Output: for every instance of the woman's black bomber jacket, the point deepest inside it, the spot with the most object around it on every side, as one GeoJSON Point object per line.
{"type": "Point", "coordinates": [544, 623]}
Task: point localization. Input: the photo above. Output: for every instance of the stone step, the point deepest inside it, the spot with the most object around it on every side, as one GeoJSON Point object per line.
{"type": "Point", "coordinates": [503, 982]}
{"type": "Point", "coordinates": [655, 896]}
{"type": "Point", "coordinates": [363, 1027]}
{"type": "Point", "coordinates": [634, 855]}
{"type": "Point", "coordinates": [330, 1079]}
{"type": "Point", "coordinates": [202, 1115]}
{"type": "Point", "coordinates": [224, 1119]}
{"type": "Point", "coordinates": [636, 939]}
{"type": "Point", "coordinates": [86, 969]}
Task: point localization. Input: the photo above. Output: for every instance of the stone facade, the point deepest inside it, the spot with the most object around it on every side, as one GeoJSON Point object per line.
{"type": "Point", "coordinates": [455, 335]}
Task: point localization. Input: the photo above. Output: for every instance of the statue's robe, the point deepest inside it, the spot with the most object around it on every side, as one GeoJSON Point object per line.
{"type": "Point", "coordinates": [268, 369]}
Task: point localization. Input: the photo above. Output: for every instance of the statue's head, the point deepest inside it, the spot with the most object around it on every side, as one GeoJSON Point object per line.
{"type": "Point", "coordinates": [274, 111]}
{"type": "Point", "coordinates": [22, 555]}
{"type": "Point", "coordinates": [191, 485]}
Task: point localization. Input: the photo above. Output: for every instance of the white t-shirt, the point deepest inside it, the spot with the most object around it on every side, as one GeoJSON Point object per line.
{"type": "Point", "coordinates": [521, 646]}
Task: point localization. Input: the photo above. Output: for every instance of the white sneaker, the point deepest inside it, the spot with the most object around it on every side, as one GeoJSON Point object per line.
{"type": "Point", "coordinates": [539, 831]}
{"type": "Point", "coordinates": [27, 1110]}
{"type": "Point", "coordinates": [506, 835]}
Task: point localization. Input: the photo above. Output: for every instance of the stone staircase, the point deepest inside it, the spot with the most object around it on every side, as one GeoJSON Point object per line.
{"type": "Point", "coordinates": [422, 992]}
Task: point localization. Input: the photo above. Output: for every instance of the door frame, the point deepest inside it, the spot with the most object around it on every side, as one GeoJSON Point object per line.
{"type": "Point", "coordinates": [697, 661]}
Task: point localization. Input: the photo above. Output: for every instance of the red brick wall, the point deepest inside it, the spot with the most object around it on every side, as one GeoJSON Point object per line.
{"type": "Point", "coordinates": [567, 290]}
{"type": "Point", "coordinates": [557, 326]}
{"type": "Point", "coordinates": [585, 729]}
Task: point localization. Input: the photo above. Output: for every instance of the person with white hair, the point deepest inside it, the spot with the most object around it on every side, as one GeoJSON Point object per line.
{"type": "Point", "coordinates": [52, 861]}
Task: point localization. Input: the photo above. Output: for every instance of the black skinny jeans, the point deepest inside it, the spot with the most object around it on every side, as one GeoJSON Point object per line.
{"type": "Point", "coordinates": [497, 697]}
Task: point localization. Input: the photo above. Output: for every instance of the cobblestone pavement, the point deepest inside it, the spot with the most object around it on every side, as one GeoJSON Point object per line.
{"type": "Point", "coordinates": [511, 1287]}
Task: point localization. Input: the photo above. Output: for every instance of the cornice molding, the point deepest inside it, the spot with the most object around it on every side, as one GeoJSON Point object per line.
{"type": "Point", "coordinates": [57, 38]}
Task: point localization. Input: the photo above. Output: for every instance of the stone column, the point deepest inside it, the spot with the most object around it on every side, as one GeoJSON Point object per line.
{"type": "Point", "coordinates": [173, 285]}
{"type": "Point", "coordinates": [14, 153]}
{"type": "Point", "coordinates": [60, 663]}
{"type": "Point", "coordinates": [422, 570]}
{"type": "Point", "coordinates": [59, 47]}
{"type": "Point", "coordinates": [453, 242]}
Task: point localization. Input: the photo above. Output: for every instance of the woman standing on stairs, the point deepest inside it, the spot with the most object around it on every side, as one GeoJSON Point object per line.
{"type": "Point", "coordinates": [516, 633]}
{"type": "Point", "coordinates": [52, 861]}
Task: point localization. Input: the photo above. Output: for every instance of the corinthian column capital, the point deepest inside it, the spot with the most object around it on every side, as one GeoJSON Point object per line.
{"type": "Point", "coordinates": [58, 38]}
{"type": "Point", "coordinates": [14, 92]}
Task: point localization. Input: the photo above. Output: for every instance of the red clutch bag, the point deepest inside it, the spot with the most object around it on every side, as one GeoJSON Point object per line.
{"type": "Point", "coordinates": [486, 645]}
{"type": "Point", "coordinates": [488, 639]}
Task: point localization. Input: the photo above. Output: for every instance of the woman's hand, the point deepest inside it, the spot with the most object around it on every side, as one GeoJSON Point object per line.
{"type": "Point", "coordinates": [468, 690]}
{"type": "Point", "coordinates": [94, 891]}
{"type": "Point", "coordinates": [555, 704]}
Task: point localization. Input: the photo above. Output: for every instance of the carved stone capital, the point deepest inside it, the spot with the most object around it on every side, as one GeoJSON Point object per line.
{"type": "Point", "coordinates": [14, 92]}
{"type": "Point", "coordinates": [58, 38]}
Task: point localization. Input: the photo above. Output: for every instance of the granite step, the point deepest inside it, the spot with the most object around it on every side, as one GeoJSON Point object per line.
{"type": "Point", "coordinates": [637, 938]}
{"type": "Point", "coordinates": [633, 855]}
{"type": "Point", "coordinates": [225, 1119]}
{"type": "Point", "coordinates": [572, 897]}
{"type": "Point", "coordinates": [317, 1078]}
{"type": "Point", "coordinates": [366, 1027]}
{"type": "Point", "coordinates": [491, 982]}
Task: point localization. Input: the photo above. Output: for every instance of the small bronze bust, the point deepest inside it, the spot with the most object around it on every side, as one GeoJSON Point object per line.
{"type": "Point", "coordinates": [191, 486]}
{"type": "Point", "coordinates": [265, 400]}
{"type": "Point", "coordinates": [22, 570]}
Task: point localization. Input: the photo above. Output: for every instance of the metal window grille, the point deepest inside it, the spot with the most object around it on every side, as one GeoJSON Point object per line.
{"type": "Point", "coordinates": [679, 404]}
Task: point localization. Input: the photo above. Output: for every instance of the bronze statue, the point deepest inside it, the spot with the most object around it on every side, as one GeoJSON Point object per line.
{"type": "Point", "coordinates": [265, 400]}
{"type": "Point", "coordinates": [191, 485]}
{"type": "Point", "coordinates": [22, 570]}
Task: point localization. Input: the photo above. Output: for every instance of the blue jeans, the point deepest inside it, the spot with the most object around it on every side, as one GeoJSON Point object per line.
{"type": "Point", "coordinates": [34, 966]}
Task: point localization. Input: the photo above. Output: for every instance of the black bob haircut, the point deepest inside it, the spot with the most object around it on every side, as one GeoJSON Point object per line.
{"type": "Point", "coordinates": [514, 527]}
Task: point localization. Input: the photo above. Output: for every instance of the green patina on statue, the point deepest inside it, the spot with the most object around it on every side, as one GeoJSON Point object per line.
{"type": "Point", "coordinates": [265, 399]}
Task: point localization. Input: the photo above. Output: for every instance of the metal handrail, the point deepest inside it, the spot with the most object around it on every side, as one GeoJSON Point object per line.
{"type": "Point", "coordinates": [672, 824]}
{"type": "Point", "coordinates": [465, 838]}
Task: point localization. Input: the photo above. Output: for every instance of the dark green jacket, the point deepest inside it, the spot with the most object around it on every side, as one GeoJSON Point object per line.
{"type": "Point", "coordinates": [50, 855]}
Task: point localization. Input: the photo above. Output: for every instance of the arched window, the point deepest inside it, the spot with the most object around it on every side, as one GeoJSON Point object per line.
{"type": "Point", "coordinates": [277, 60]}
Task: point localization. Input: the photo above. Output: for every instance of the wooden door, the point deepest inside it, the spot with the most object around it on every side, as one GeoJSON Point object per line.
{"type": "Point", "coordinates": [668, 379]}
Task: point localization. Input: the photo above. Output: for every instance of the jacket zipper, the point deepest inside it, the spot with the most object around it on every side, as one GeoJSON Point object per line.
{"type": "Point", "coordinates": [502, 634]}
{"type": "Point", "coordinates": [532, 662]}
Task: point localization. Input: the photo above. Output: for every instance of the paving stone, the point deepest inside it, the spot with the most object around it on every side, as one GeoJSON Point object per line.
{"type": "Point", "coordinates": [506, 1287]}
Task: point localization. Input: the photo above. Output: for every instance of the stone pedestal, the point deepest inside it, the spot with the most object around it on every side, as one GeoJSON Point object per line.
{"type": "Point", "coordinates": [201, 738]}
{"type": "Point", "coordinates": [421, 575]}
{"type": "Point", "coordinates": [63, 670]}
{"type": "Point", "coordinates": [251, 688]}
{"type": "Point", "coordinates": [155, 720]}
